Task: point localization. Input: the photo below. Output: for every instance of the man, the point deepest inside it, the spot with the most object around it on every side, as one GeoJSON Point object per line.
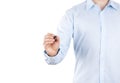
{"type": "Point", "coordinates": [94, 26]}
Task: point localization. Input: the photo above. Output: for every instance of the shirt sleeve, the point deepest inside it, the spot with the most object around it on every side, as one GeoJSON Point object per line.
{"type": "Point", "coordinates": [65, 32]}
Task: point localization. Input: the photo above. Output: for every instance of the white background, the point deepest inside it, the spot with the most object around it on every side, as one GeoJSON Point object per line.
{"type": "Point", "coordinates": [23, 24]}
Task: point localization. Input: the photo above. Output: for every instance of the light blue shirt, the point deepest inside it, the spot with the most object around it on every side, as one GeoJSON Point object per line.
{"type": "Point", "coordinates": [96, 39]}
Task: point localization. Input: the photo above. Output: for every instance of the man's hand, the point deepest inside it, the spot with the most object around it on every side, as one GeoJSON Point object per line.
{"type": "Point", "coordinates": [51, 44]}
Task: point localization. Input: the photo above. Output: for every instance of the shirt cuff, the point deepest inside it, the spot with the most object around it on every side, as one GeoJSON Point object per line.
{"type": "Point", "coordinates": [54, 59]}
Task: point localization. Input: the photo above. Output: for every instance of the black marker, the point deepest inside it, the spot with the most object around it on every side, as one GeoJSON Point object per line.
{"type": "Point", "coordinates": [55, 37]}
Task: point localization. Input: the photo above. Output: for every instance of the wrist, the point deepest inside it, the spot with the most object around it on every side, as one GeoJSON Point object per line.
{"type": "Point", "coordinates": [52, 54]}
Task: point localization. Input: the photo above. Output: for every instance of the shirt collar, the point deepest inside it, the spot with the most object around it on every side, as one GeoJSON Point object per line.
{"type": "Point", "coordinates": [91, 4]}
{"type": "Point", "coordinates": [113, 5]}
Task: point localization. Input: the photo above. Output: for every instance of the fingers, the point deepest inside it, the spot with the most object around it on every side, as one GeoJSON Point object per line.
{"type": "Point", "coordinates": [49, 39]}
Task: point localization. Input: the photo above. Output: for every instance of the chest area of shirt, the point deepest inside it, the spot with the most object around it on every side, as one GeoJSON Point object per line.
{"type": "Point", "coordinates": [95, 22]}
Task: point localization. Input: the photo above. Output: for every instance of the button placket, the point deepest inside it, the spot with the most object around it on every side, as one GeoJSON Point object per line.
{"type": "Point", "coordinates": [102, 46]}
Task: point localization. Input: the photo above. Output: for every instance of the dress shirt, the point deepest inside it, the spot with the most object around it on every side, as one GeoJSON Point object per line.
{"type": "Point", "coordinates": [96, 40]}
